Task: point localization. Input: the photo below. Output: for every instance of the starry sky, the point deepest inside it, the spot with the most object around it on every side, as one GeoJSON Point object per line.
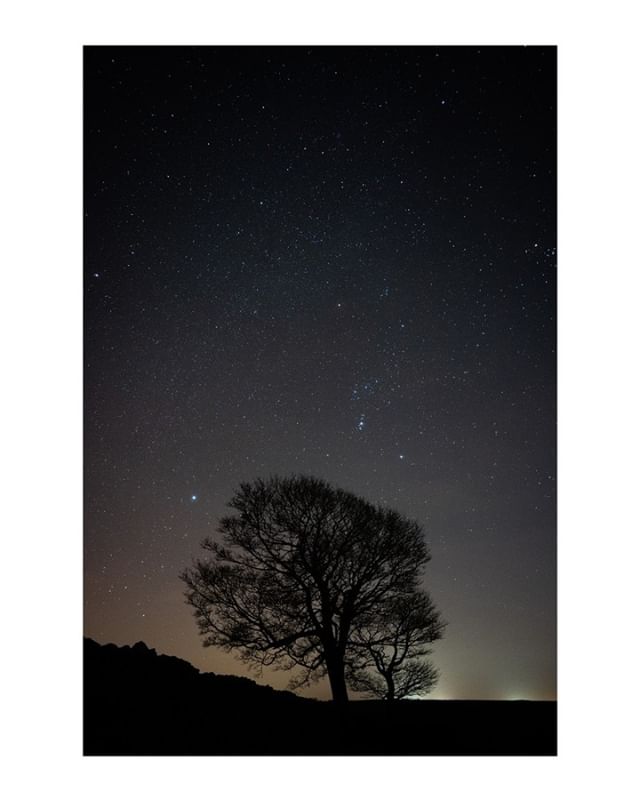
{"type": "Point", "coordinates": [331, 261]}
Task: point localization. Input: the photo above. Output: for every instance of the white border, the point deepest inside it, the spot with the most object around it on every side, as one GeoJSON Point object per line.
{"type": "Point", "coordinates": [599, 443]}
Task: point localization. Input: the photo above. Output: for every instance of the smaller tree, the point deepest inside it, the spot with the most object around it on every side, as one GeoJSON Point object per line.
{"type": "Point", "coordinates": [411, 678]}
{"type": "Point", "coordinates": [389, 648]}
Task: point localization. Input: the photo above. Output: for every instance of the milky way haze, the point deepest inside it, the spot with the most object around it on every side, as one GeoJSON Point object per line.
{"type": "Point", "coordinates": [337, 262]}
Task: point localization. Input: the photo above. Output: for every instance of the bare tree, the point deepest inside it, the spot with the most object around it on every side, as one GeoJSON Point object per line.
{"type": "Point", "coordinates": [392, 644]}
{"type": "Point", "coordinates": [412, 678]}
{"type": "Point", "coordinates": [301, 567]}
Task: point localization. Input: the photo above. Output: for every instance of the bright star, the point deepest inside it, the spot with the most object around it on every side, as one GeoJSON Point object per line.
{"type": "Point", "coordinates": [194, 497]}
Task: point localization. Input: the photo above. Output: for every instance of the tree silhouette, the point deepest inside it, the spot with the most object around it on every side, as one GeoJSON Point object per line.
{"type": "Point", "coordinates": [302, 569]}
{"type": "Point", "coordinates": [392, 644]}
{"type": "Point", "coordinates": [412, 678]}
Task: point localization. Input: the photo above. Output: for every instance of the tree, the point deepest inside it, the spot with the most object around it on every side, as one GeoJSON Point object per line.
{"type": "Point", "coordinates": [412, 678]}
{"type": "Point", "coordinates": [301, 569]}
{"type": "Point", "coordinates": [392, 644]}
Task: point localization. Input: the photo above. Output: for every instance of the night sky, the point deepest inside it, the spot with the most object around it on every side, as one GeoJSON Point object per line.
{"type": "Point", "coordinates": [337, 262]}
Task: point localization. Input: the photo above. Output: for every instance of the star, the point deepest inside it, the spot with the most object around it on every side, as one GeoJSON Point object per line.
{"type": "Point", "coordinates": [194, 497]}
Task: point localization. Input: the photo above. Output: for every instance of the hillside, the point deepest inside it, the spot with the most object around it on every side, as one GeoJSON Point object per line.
{"type": "Point", "coordinates": [137, 702]}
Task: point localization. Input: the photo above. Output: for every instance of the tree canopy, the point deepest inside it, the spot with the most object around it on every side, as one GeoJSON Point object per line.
{"type": "Point", "coordinates": [303, 577]}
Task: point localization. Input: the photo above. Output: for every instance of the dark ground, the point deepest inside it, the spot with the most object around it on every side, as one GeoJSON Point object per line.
{"type": "Point", "coordinates": [140, 703]}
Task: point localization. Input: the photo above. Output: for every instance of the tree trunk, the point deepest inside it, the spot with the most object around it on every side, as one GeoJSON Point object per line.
{"type": "Point", "coordinates": [335, 671]}
{"type": "Point", "coordinates": [391, 687]}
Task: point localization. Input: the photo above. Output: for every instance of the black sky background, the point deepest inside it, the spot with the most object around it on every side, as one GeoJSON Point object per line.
{"type": "Point", "coordinates": [334, 261]}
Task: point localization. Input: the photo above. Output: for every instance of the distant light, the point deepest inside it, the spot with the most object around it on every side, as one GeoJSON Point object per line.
{"type": "Point", "coordinates": [194, 497]}
{"type": "Point", "coordinates": [401, 456]}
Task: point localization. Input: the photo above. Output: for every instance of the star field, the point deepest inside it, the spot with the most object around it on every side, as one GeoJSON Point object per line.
{"type": "Point", "coordinates": [334, 261]}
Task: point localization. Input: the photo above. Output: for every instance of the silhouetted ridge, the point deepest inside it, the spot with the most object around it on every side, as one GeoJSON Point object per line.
{"type": "Point", "coordinates": [141, 665]}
